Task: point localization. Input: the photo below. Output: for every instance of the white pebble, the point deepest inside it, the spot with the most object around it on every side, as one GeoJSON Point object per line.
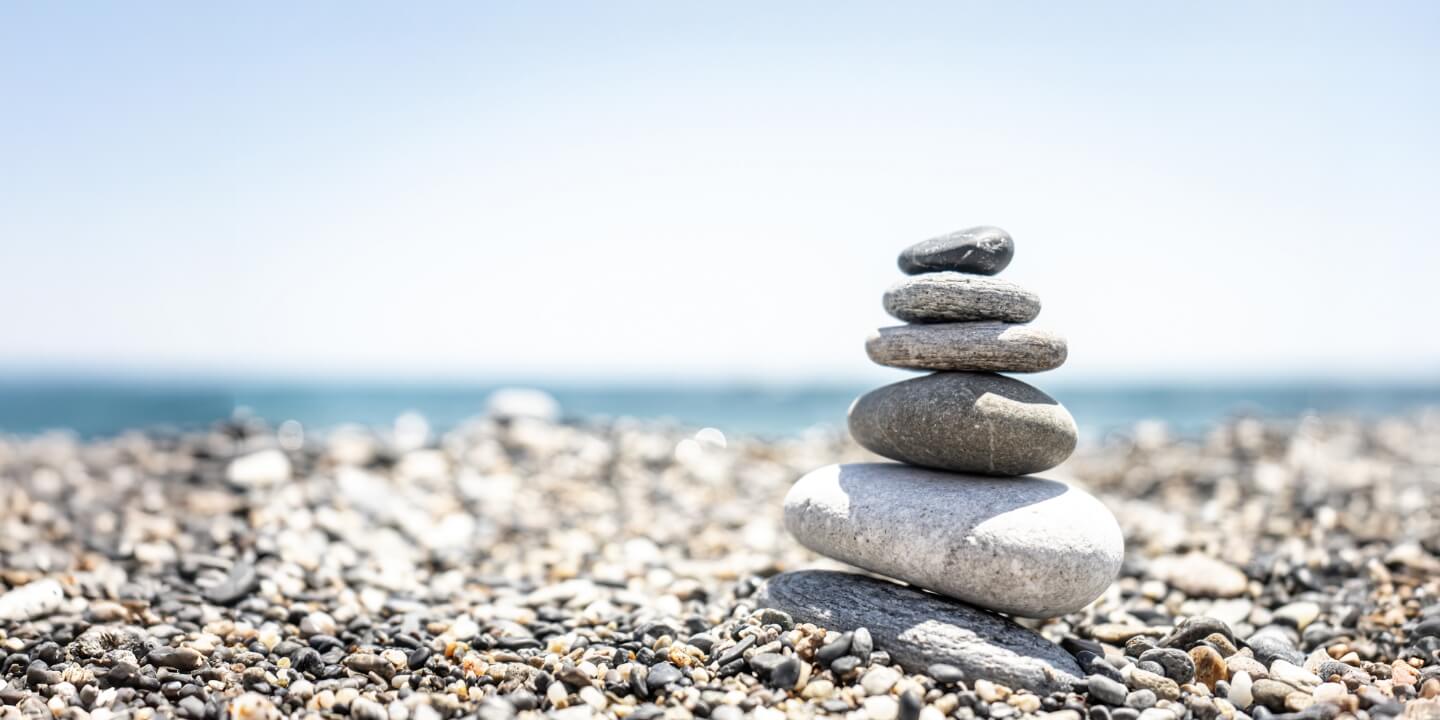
{"type": "Point", "coordinates": [879, 681]}
{"type": "Point", "coordinates": [881, 707]}
{"type": "Point", "coordinates": [1240, 690]}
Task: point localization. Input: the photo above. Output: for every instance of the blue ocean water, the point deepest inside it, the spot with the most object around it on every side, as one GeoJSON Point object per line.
{"type": "Point", "coordinates": [91, 407]}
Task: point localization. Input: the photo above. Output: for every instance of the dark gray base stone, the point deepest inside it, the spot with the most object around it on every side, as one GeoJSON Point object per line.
{"type": "Point", "coordinates": [919, 629]}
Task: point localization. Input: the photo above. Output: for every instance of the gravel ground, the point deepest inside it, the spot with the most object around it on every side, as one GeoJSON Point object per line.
{"type": "Point", "coordinates": [520, 569]}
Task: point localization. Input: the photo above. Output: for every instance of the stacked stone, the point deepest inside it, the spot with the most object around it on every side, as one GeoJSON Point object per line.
{"type": "Point", "coordinates": [960, 514]}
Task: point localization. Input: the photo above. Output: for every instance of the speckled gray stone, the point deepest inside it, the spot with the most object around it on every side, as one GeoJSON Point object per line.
{"type": "Point", "coordinates": [967, 422]}
{"type": "Point", "coordinates": [956, 297]}
{"type": "Point", "coordinates": [971, 346]}
{"type": "Point", "coordinates": [982, 250]}
{"type": "Point", "coordinates": [1025, 546]}
{"type": "Point", "coordinates": [918, 629]}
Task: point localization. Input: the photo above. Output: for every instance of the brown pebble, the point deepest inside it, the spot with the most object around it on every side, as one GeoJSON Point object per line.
{"type": "Point", "coordinates": [1209, 666]}
{"type": "Point", "coordinates": [1222, 644]}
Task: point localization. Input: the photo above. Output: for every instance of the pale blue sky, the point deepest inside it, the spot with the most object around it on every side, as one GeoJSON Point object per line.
{"type": "Point", "coordinates": [711, 190]}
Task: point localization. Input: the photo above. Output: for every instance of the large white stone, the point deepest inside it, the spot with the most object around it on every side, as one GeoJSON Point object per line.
{"type": "Point", "coordinates": [1026, 546]}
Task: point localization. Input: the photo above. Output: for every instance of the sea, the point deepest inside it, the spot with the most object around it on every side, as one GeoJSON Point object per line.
{"type": "Point", "coordinates": [89, 407]}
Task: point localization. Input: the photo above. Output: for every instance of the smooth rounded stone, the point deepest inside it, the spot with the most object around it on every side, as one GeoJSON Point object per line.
{"type": "Point", "coordinates": [983, 250]}
{"type": "Point", "coordinates": [969, 347]}
{"type": "Point", "coordinates": [966, 422]}
{"type": "Point", "coordinates": [1025, 546]}
{"type": "Point", "coordinates": [919, 629]}
{"type": "Point", "coordinates": [956, 297]}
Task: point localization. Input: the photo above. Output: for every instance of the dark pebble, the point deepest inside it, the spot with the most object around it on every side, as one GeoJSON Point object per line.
{"type": "Point", "coordinates": [834, 649]}
{"type": "Point", "coordinates": [192, 707]}
{"type": "Point", "coordinates": [242, 581]}
{"type": "Point", "coordinates": [946, 674]}
{"type": "Point", "coordinates": [771, 616]}
{"type": "Point", "coordinates": [786, 674]}
{"type": "Point", "coordinates": [40, 674]}
{"type": "Point", "coordinates": [178, 658]}
{"type": "Point", "coordinates": [735, 652]}
{"type": "Point", "coordinates": [764, 663]}
{"type": "Point", "coordinates": [910, 704]}
{"type": "Point", "coordinates": [981, 250]}
{"type": "Point", "coordinates": [1106, 690]}
{"type": "Point", "coordinates": [517, 642]}
{"type": "Point", "coordinates": [1193, 630]}
{"type": "Point", "coordinates": [573, 676]}
{"type": "Point", "coordinates": [663, 674]}
{"type": "Point", "coordinates": [844, 666]}
{"type": "Point", "coordinates": [1175, 663]}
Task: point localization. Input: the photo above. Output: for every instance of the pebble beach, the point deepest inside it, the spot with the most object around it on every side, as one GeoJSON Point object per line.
{"type": "Point", "coordinates": [519, 567]}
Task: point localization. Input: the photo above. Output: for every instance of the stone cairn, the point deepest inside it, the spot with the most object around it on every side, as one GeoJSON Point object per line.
{"type": "Point", "coordinates": [963, 517]}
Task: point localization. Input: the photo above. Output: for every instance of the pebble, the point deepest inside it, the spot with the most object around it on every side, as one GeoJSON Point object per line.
{"type": "Point", "coordinates": [1200, 575]}
{"type": "Point", "coordinates": [1106, 690]}
{"type": "Point", "coordinates": [1241, 690]}
{"type": "Point", "coordinates": [881, 707]}
{"type": "Point", "coordinates": [1141, 699]}
{"type": "Point", "coordinates": [1293, 675]}
{"type": "Point", "coordinates": [1024, 546]}
{"type": "Point", "coordinates": [983, 250]}
{"type": "Point", "coordinates": [1298, 614]}
{"type": "Point", "coordinates": [930, 421]}
{"type": "Point", "coordinates": [910, 705]}
{"type": "Point", "coordinates": [949, 297]}
{"type": "Point", "coordinates": [861, 643]}
{"type": "Point", "coordinates": [183, 659]}
{"type": "Point", "coordinates": [1162, 686]}
{"type": "Point", "coordinates": [1209, 666]}
{"type": "Point", "coordinates": [1175, 664]}
{"type": "Point", "coordinates": [239, 584]}
{"type": "Point", "coordinates": [1271, 694]}
{"type": "Point", "coordinates": [1194, 629]}
{"type": "Point", "coordinates": [259, 469]}
{"type": "Point", "coordinates": [786, 674]}
{"type": "Point", "coordinates": [31, 600]}
{"type": "Point", "coordinates": [663, 674]}
{"type": "Point", "coordinates": [317, 623]}
{"type": "Point", "coordinates": [918, 628]}
{"type": "Point", "coordinates": [945, 674]}
{"type": "Point", "coordinates": [968, 347]}
{"type": "Point", "coordinates": [879, 680]}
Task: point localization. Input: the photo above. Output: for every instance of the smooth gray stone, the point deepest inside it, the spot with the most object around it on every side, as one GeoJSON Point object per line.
{"type": "Point", "coordinates": [971, 347]}
{"type": "Point", "coordinates": [982, 250]}
{"type": "Point", "coordinates": [919, 629]}
{"type": "Point", "coordinates": [1024, 546]}
{"type": "Point", "coordinates": [967, 422]}
{"type": "Point", "coordinates": [956, 297]}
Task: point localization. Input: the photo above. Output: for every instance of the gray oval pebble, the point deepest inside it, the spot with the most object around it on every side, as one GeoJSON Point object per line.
{"type": "Point", "coordinates": [957, 297]}
{"type": "Point", "coordinates": [918, 628]}
{"type": "Point", "coordinates": [966, 422]}
{"type": "Point", "coordinates": [1024, 546]}
{"type": "Point", "coordinates": [969, 346]}
{"type": "Point", "coordinates": [983, 250]}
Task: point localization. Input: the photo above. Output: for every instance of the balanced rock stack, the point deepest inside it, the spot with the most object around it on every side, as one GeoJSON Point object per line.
{"type": "Point", "coordinates": [962, 517]}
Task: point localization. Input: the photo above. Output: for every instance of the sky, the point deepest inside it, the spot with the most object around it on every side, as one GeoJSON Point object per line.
{"type": "Point", "coordinates": [711, 190]}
